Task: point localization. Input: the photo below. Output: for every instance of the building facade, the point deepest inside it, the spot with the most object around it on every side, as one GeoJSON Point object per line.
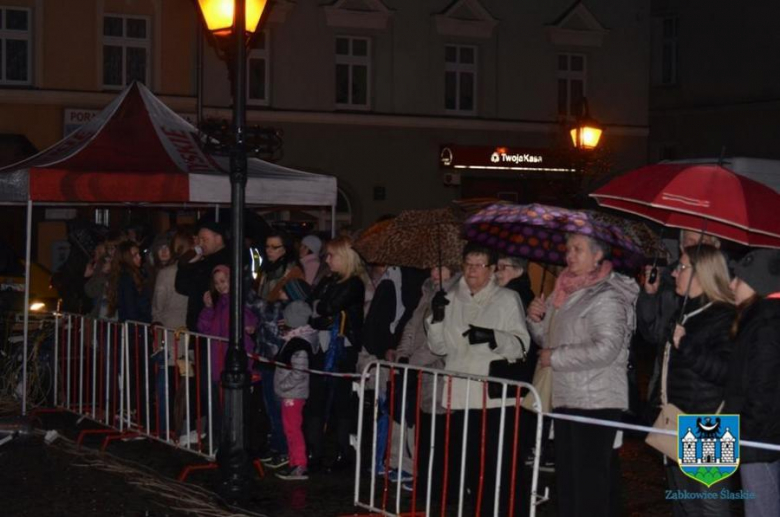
{"type": "Point", "coordinates": [408, 104]}
{"type": "Point", "coordinates": [714, 83]}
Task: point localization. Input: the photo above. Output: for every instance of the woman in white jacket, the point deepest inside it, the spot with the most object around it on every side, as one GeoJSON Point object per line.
{"type": "Point", "coordinates": [474, 324]}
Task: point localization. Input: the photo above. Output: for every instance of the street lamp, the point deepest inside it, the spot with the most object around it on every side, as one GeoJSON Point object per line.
{"type": "Point", "coordinates": [586, 133]}
{"type": "Point", "coordinates": [232, 23]}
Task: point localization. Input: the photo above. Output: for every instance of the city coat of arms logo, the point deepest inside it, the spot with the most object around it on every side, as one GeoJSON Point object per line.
{"type": "Point", "coordinates": [708, 446]}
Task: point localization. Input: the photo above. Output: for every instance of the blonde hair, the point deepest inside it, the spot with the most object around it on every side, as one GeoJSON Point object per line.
{"type": "Point", "coordinates": [712, 272]}
{"type": "Point", "coordinates": [353, 265]}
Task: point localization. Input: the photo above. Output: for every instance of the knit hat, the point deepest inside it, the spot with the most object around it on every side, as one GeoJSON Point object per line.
{"type": "Point", "coordinates": [296, 289]}
{"type": "Point", "coordinates": [297, 314]}
{"type": "Point", "coordinates": [313, 243]}
{"type": "Point", "coordinates": [760, 269]}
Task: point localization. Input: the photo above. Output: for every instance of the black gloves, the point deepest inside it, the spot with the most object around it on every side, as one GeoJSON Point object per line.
{"type": "Point", "coordinates": [438, 304]}
{"type": "Point", "coordinates": [481, 335]}
{"type": "Point", "coordinates": [321, 323]}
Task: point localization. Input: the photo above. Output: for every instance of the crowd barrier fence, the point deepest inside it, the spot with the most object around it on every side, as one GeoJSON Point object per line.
{"type": "Point", "coordinates": [139, 380]}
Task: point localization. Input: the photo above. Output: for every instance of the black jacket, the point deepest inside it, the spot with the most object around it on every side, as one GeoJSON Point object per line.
{"type": "Point", "coordinates": [194, 279]}
{"type": "Point", "coordinates": [655, 313]}
{"type": "Point", "coordinates": [332, 297]}
{"type": "Point", "coordinates": [753, 387]}
{"type": "Point", "coordinates": [377, 336]}
{"type": "Point", "coordinates": [131, 304]}
{"type": "Point", "coordinates": [522, 286]}
{"type": "Point", "coordinates": [699, 367]}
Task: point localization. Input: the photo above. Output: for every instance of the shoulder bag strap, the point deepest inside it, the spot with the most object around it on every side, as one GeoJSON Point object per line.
{"type": "Point", "coordinates": [667, 353]}
{"type": "Point", "coordinates": [665, 373]}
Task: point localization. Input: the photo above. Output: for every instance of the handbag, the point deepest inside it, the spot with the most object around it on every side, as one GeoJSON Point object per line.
{"type": "Point", "coordinates": [667, 418]}
{"type": "Point", "coordinates": [543, 377]}
{"type": "Point", "coordinates": [514, 371]}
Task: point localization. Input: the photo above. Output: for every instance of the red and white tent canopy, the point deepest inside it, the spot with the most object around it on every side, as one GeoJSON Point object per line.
{"type": "Point", "coordinates": [137, 150]}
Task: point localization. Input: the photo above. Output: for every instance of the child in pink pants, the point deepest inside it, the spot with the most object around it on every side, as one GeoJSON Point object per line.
{"type": "Point", "coordinates": [292, 385]}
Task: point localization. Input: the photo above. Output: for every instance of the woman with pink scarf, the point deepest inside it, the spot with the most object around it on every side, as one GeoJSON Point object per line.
{"type": "Point", "coordinates": [584, 330]}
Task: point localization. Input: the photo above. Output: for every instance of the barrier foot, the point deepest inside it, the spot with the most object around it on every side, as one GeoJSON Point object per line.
{"type": "Point", "coordinates": [213, 465]}
{"type": "Point", "coordinates": [118, 436]}
{"type": "Point", "coordinates": [540, 499]}
{"type": "Point", "coordinates": [191, 468]}
{"type": "Point", "coordinates": [259, 467]}
{"type": "Point", "coordinates": [83, 434]}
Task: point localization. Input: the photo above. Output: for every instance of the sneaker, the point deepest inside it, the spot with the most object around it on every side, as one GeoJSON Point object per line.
{"type": "Point", "coordinates": [380, 470]}
{"type": "Point", "coordinates": [404, 477]}
{"type": "Point", "coordinates": [280, 460]}
{"type": "Point", "coordinates": [291, 473]}
{"type": "Point", "coordinates": [267, 456]}
{"type": "Point", "coordinates": [407, 487]}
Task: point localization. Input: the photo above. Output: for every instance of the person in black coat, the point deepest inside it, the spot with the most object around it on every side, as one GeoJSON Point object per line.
{"type": "Point", "coordinates": [659, 304]}
{"type": "Point", "coordinates": [193, 280]}
{"type": "Point", "coordinates": [511, 272]}
{"type": "Point", "coordinates": [753, 387]}
{"type": "Point", "coordinates": [193, 276]}
{"type": "Point", "coordinates": [343, 291]}
{"type": "Point", "coordinates": [699, 357]}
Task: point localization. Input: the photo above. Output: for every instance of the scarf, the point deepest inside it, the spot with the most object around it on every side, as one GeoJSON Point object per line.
{"type": "Point", "coordinates": [569, 283]}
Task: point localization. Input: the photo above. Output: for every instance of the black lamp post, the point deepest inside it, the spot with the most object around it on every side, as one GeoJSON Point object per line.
{"type": "Point", "coordinates": [232, 23]}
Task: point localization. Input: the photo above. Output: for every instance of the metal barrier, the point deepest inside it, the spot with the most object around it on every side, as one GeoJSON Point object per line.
{"type": "Point", "coordinates": [498, 419]}
{"type": "Point", "coordinates": [137, 380]}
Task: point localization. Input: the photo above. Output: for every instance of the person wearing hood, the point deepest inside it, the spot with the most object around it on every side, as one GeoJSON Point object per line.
{"type": "Point", "coordinates": [753, 385]}
{"type": "Point", "coordinates": [292, 385]}
{"type": "Point", "coordinates": [160, 256]}
{"type": "Point", "coordinates": [310, 258]}
{"type": "Point", "coordinates": [584, 330]}
{"type": "Point", "coordinates": [476, 324]}
{"type": "Point", "coordinates": [413, 349]}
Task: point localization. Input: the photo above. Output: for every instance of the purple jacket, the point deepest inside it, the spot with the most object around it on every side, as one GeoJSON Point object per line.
{"type": "Point", "coordinates": [215, 321]}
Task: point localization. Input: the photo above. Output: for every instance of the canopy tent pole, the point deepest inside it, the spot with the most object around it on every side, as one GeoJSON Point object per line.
{"type": "Point", "coordinates": [333, 221]}
{"type": "Point", "coordinates": [27, 254]}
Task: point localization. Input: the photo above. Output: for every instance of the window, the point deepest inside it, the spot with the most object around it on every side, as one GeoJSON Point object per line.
{"type": "Point", "coordinates": [571, 83]}
{"type": "Point", "coordinates": [126, 47]}
{"type": "Point", "coordinates": [258, 80]}
{"type": "Point", "coordinates": [460, 79]}
{"type": "Point", "coordinates": [353, 70]}
{"type": "Point", "coordinates": [669, 50]}
{"type": "Point", "coordinates": [15, 55]}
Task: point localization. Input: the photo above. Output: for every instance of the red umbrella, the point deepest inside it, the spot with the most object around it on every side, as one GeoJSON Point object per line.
{"type": "Point", "coordinates": [699, 197]}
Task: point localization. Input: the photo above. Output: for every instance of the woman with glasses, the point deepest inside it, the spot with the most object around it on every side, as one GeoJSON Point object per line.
{"type": "Point", "coordinates": [279, 268]}
{"type": "Point", "coordinates": [584, 329]}
{"type": "Point", "coordinates": [475, 325]}
{"type": "Point", "coordinates": [511, 273]}
{"type": "Point", "coordinates": [698, 359]}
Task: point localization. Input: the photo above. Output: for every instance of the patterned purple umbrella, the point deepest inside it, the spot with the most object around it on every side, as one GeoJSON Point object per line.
{"type": "Point", "coordinates": [538, 232]}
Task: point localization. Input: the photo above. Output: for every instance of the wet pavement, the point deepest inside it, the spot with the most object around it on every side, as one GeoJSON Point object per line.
{"type": "Point", "coordinates": [137, 478]}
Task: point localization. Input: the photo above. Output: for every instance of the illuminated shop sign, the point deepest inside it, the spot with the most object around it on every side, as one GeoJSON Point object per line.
{"type": "Point", "coordinates": [501, 158]}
